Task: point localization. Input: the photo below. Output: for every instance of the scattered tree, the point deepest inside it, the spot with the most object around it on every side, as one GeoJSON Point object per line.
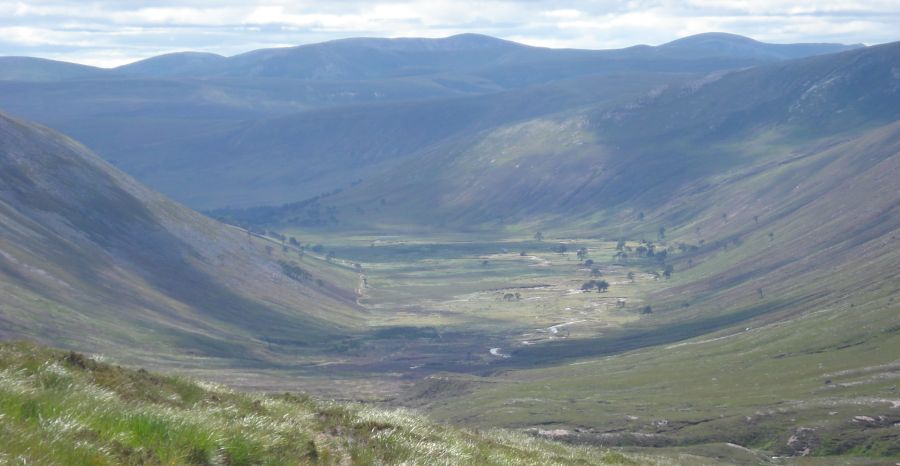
{"type": "Point", "coordinates": [647, 310]}
{"type": "Point", "coordinates": [595, 272]}
{"type": "Point", "coordinates": [602, 286]}
{"type": "Point", "coordinates": [538, 236]}
{"type": "Point", "coordinates": [581, 253]}
{"type": "Point", "coordinates": [661, 234]}
{"type": "Point", "coordinates": [620, 245]}
{"type": "Point", "coordinates": [668, 271]}
{"type": "Point", "coordinates": [631, 276]}
{"type": "Point", "coordinates": [661, 256]}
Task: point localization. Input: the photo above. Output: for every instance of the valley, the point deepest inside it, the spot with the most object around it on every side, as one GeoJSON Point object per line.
{"type": "Point", "coordinates": [687, 253]}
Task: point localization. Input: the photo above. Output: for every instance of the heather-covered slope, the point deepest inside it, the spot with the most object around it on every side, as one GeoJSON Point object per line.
{"type": "Point", "coordinates": [91, 259]}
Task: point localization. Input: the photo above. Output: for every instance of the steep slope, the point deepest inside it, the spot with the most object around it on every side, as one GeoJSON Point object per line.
{"type": "Point", "coordinates": [91, 259]}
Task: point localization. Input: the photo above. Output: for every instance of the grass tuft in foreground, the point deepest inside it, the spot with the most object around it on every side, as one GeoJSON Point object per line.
{"type": "Point", "coordinates": [65, 408]}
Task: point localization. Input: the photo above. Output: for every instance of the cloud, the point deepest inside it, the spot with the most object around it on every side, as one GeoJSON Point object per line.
{"type": "Point", "coordinates": [106, 32]}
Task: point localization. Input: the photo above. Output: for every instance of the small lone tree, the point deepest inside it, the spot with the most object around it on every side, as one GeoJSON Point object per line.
{"type": "Point", "coordinates": [661, 234]}
{"type": "Point", "coordinates": [595, 272]}
{"type": "Point", "coordinates": [581, 253]}
{"type": "Point", "coordinates": [538, 236]}
{"type": "Point", "coordinates": [631, 276]}
{"type": "Point", "coordinates": [668, 271]}
{"type": "Point", "coordinates": [602, 286]}
{"type": "Point", "coordinates": [647, 310]}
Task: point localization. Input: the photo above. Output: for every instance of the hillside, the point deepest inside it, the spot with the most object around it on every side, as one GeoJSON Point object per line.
{"type": "Point", "coordinates": [91, 259]}
{"type": "Point", "coordinates": [635, 155]}
{"type": "Point", "coordinates": [66, 408]}
{"type": "Point", "coordinates": [43, 70]}
{"type": "Point", "coordinates": [318, 151]}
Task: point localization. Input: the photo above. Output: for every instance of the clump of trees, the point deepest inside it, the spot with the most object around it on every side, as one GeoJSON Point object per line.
{"type": "Point", "coordinates": [512, 297]}
{"type": "Point", "coordinates": [294, 271]}
{"type": "Point", "coordinates": [600, 285]}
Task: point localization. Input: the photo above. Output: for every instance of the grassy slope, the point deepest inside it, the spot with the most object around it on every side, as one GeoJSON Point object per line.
{"type": "Point", "coordinates": [91, 259]}
{"type": "Point", "coordinates": [65, 408]}
{"type": "Point", "coordinates": [817, 348]}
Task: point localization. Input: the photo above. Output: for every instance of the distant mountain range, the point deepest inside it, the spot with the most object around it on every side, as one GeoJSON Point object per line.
{"type": "Point", "coordinates": [169, 120]}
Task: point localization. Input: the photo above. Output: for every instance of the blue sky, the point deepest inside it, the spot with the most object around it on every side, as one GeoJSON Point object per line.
{"type": "Point", "coordinates": [108, 33]}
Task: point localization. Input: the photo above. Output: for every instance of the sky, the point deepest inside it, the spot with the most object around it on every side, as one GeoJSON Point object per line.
{"type": "Point", "coordinates": [111, 33]}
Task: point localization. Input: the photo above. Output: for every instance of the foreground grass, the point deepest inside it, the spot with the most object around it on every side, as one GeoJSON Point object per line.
{"type": "Point", "coordinates": [64, 408]}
